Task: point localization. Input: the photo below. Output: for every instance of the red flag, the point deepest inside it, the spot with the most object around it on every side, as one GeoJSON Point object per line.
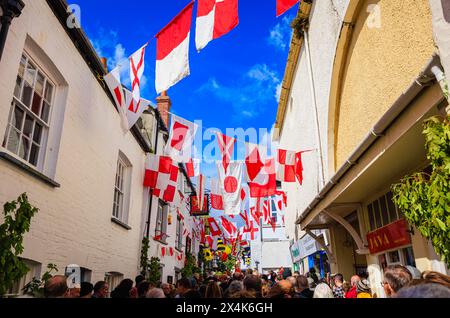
{"type": "Point", "coordinates": [286, 166]}
{"type": "Point", "coordinates": [163, 251]}
{"type": "Point", "coordinates": [245, 217]}
{"type": "Point", "coordinates": [172, 50]}
{"type": "Point", "coordinates": [251, 231]}
{"type": "Point", "coordinates": [228, 226]}
{"type": "Point", "coordinates": [261, 174]}
{"type": "Point", "coordinates": [171, 251]}
{"type": "Point", "coordinates": [214, 227]}
{"type": "Point", "coordinates": [285, 5]}
{"type": "Point", "coordinates": [299, 167]}
{"type": "Point", "coordinates": [215, 18]}
{"type": "Point", "coordinates": [161, 175]}
{"type": "Point", "coordinates": [216, 195]}
{"type": "Point", "coordinates": [193, 168]}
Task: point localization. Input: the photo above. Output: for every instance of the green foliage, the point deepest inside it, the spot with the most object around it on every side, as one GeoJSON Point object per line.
{"type": "Point", "coordinates": [18, 215]}
{"type": "Point", "coordinates": [144, 256]}
{"type": "Point", "coordinates": [425, 199]}
{"type": "Point", "coordinates": [154, 274]}
{"type": "Point", "coordinates": [190, 267]}
{"type": "Point", "coordinates": [35, 288]}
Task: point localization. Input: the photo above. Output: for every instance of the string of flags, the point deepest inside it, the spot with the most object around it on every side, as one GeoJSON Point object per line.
{"type": "Point", "coordinates": [214, 19]}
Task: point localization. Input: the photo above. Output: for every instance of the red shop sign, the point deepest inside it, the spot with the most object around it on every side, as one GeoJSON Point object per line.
{"type": "Point", "coordinates": [389, 237]}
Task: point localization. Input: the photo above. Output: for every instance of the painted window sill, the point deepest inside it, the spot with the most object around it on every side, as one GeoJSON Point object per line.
{"type": "Point", "coordinates": [28, 169]}
{"type": "Point", "coordinates": [121, 224]}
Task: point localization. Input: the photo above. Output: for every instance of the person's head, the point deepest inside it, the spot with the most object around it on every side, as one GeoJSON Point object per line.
{"type": "Point", "coordinates": [338, 280]}
{"type": "Point", "coordinates": [238, 276]}
{"type": "Point", "coordinates": [323, 291]}
{"type": "Point", "coordinates": [296, 273]}
{"type": "Point", "coordinates": [143, 288]}
{"type": "Point", "coordinates": [101, 289]}
{"type": "Point", "coordinates": [363, 286]}
{"type": "Point", "coordinates": [302, 283]}
{"type": "Point", "coordinates": [139, 279]}
{"type": "Point", "coordinates": [167, 289]}
{"type": "Point", "coordinates": [86, 290]}
{"type": "Point", "coordinates": [253, 284]}
{"type": "Point", "coordinates": [56, 287]}
{"type": "Point", "coordinates": [395, 278]}
{"type": "Point", "coordinates": [312, 283]}
{"type": "Point", "coordinates": [249, 271]}
{"type": "Point", "coordinates": [244, 294]}
{"type": "Point", "coordinates": [235, 286]}
{"type": "Point", "coordinates": [346, 286]}
{"type": "Point", "coordinates": [424, 291]}
{"type": "Point", "coordinates": [155, 293]}
{"type": "Point", "coordinates": [354, 280]}
{"type": "Point", "coordinates": [183, 286]}
{"type": "Point", "coordinates": [123, 290]}
{"type": "Point", "coordinates": [437, 278]}
{"type": "Point", "coordinates": [293, 281]}
{"type": "Point", "coordinates": [283, 289]}
{"type": "Point", "coordinates": [213, 290]}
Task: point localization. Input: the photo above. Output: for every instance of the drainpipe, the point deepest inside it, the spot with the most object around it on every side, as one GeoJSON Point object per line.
{"type": "Point", "coordinates": [10, 10]}
{"type": "Point", "coordinates": [316, 113]}
{"type": "Point", "coordinates": [440, 77]}
{"type": "Point", "coordinates": [151, 191]}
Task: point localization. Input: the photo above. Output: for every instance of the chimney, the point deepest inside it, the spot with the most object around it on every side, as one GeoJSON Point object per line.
{"type": "Point", "coordinates": [104, 61]}
{"type": "Point", "coordinates": [164, 104]}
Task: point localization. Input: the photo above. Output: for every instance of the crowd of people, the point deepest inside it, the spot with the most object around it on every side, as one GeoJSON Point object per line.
{"type": "Point", "coordinates": [399, 282]}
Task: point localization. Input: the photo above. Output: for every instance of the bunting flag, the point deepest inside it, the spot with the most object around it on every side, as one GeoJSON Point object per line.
{"type": "Point", "coordinates": [231, 187]}
{"type": "Point", "coordinates": [245, 218]}
{"type": "Point", "coordinates": [179, 145]}
{"type": "Point", "coordinates": [161, 175]}
{"type": "Point", "coordinates": [193, 168]}
{"type": "Point", "coordinates": [261, 175]}
{"type": "Point", "coordinates": [172, 50]}
{"type": "Point", "coordinates": [285, 5]}
{"type": "Point", "coordinates": [256, 209]}
{"type": "Point", "coordinates": [299, 167]}
{"type": "Point", "coordinates": [251, 231]}
{"type": "Point", "coordinates": [180, 257]}
{"type": "Point", "coordinates": [216, 195]}
{"type": "Point", "coordinates": [226, 146]}
{"type": "Point", "coordinates": [133, 109]}
{"type": "Point", "coordinates": [267, 210]}
{"type": "Point", "coordinates": [171, 251]}
{"type": "Point", "coordinates": [201, 191]}
{"type": "Point", "coordinates": [286, 171]}
{"type": "Point", "coordinates": [215, 18]}
{"type": "Point", "coordinates": [137, 66]}
{"type": "Point", "coordinates": [112, 80]}
{"type": "Point", "coordinates": [214, 227]}
{"type": "Point", "coordinates": [229, 227]}
{"type": "Point", "coordinates": [273, 223]}
{"type": "Point", "coordinates": [163, 251]}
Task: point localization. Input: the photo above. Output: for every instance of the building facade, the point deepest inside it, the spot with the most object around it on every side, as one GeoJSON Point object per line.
{"type": "Point", "coordinates": [63, 145]}
{"type": "Point", "coordinates": [378, 69]}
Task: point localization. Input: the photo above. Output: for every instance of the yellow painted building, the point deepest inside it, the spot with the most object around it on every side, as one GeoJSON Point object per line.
{"type": "Point", "coordinates": [383, 86]}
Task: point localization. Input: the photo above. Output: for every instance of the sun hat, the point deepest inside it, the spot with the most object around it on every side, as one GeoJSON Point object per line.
{"type": "Point", "coordinates": [363, 286]}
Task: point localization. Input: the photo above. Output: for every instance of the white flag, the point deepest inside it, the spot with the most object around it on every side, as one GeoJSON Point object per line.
{"type": "Point", "coordinates": [231, 186]}
{"type": "Point", "coordinates": [182, 134]}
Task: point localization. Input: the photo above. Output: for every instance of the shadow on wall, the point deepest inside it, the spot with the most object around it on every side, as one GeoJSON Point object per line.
{"type": "Point", "coordinates": [446, 8]}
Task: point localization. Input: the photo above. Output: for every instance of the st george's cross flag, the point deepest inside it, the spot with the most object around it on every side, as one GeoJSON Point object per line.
{"type": "Point", "coordinates": [251, 231]}
{"type": "Point", "coordinates": [215, 18]}
{"type": "Point", "coordinates": [161, 175]}
{"type": "Point", "coordinates": [193, 168]}
{"type": "Point", "coordinates": [137, 67]}
{"type": "Point", "coordinates": [182, 134]}
{"type": "Point", "coordinates": [229, 228]}
{"type": "Point", "coordinates": [231, 187]}
{"type": "Point", "coordinates": [172, 50]}
{"type": "Point", "coordinates": [214, 227]}
{"type": "Point", "coordinates": [226, 147]}
{"type": "Point", "coordinates": [216, 195]}
{"type": "Point", "coordinates": [285, 5]}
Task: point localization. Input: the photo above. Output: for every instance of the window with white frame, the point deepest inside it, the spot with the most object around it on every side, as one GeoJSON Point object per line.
{"type": "Point", "coordinates": [122, 189]}
{"type": "Point", "coordinates": [161, 222]}
{"type": "Point", "coordinates": [179, 237]}
{"type": "Point", "coordinates": [29, 121]}
{"type": "Point", "coordinates": [34, 272]}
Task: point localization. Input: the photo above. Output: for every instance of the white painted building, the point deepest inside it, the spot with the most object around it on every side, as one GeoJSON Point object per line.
{"type": "Point", "coordinates": [62, 144]}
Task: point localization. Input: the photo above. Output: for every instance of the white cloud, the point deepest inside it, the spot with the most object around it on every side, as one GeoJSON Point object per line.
{"type": "Point", "coordinates": [278, 91]}
{"type": "Point", "coordinates": [281, 34]}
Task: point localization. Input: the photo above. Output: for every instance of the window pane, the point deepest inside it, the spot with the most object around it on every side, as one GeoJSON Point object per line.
{"type": "Point", "coordinates": [24, 148]}
{"type": "Point", "coordinates": [37, 133]}
{"type": "Point", "coordinates": [391, 206]}
{"type": "Point", "coordinates": [45, 112]}
{"type": "Point", "coordinates": [36, 106]}
{"type": "Point", "coordinates": [30, 74]}
{"type": "Point", "coordinates": [13, 140]}
{"type": "Point", "coordinates": [28, 126]}
{"type": "Point", "coordinates": [23, 62]}
{"type": "Point", "coordinates": [409, 256]}
{"type": "Point", "coordinates": [39, 87]}
{"type": "Point", "coordinates": [34, 155]}
{"type": "Point", "coordinates": [376, 210]}
{"type": "Point", "coordinates": [383, 210]}
{"type": "Point", "coordinates": [18, 87]}
{"type": "Point", "coordinates": [371, 219]}
{"type": "Point", "coordinates": [27, 92]}
{"type": "Point", "coordinates": [17, 118]}
{"type": "Point", "coordinates": [48, 92]}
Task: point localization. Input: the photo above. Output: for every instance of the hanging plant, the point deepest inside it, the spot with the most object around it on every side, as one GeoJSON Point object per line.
{"type": "Point", "coordinates": [425, 198]}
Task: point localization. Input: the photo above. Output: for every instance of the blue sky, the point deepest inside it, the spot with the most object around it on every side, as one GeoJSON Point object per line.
{"type": "Point", "coordinates": [235, 81]}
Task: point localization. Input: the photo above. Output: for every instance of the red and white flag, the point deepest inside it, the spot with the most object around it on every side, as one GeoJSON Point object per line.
{"type": "Point", "coordinates": [112, 80]}
{"type": "Point", "coordinates": [193, 168]}
{"type": "Point", "coordinates": [229, 227]}
{"type": "Point", "coordinates": [251, 231]}
{"type": "Point", "coordinates": [201, 191]}
{"type": "Point", "coordinates": [245, 217]}
{"type": "Point", "coordinates": [299, 167]}
{"type": "Point", "coordinates": [137, 66]}
{"type": "Point", "coordinates": [215, 18]}
{"type": "Point", "coordinates": [267, 210]}
{"type": "Point", "coordinates": [285, 5]}
{"type": "Point", "coordinates": [182, 134]}
{"type": "Point", "coordinates": [226, 146]}
{"type": "Point", "coordinates": [214, 227]}
{"type": "Point", "coordinates": [172, 50]}
{"type": "Point", "coordinates": [261, 175]}
{"type": "Point", "coordinates": [216, 195]}
{"type": "Point", "coordinates": [133, 109]}
{"type": "Point", "coordinates": [231, 186]}
{"type": "Point", "coordinates": [161, 175]}
{"type": "Point", "coordinates": [286, 166]}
